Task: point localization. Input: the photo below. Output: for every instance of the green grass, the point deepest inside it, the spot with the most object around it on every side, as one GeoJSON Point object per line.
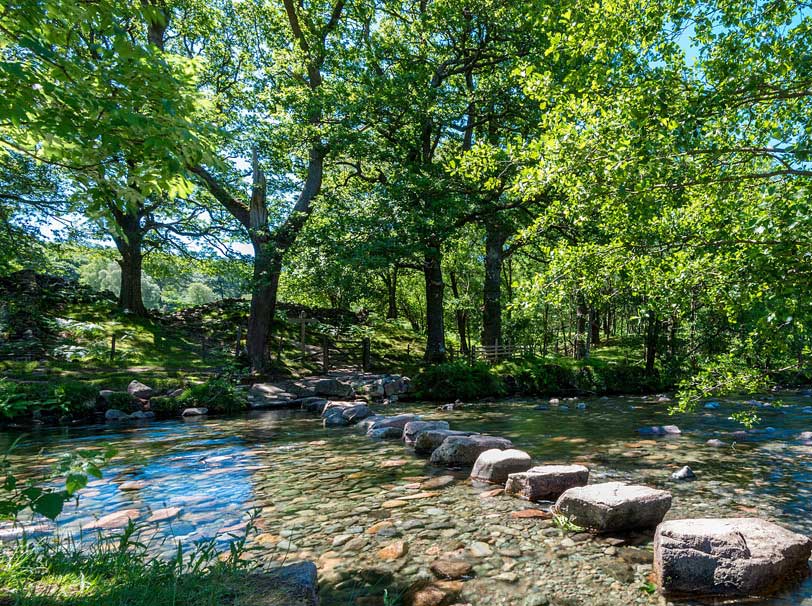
{"type": "Point", "coordinates": [119, 571]}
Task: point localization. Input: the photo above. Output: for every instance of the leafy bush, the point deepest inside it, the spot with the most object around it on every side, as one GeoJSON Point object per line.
{"type": "Point", "coordinates": [75, 398]}
{"type": "Point", "coordinates": [457, 380]}
{"type": "Point", "coordinates": [218, 395]}
{"type": "Point", "coordinates": [536, 377]}
{"type": "Point", "coordinates": [120, 400]}
{"type": "Point", "coordinates": [72, 398]}
{"type": "Point", "coordinates": [166, 406]}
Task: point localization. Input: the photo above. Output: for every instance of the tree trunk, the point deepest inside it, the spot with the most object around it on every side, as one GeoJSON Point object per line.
{"type": "Point", "coordinates": [581, 339]}
{"type": "Point", "coordinates": [652, 334]}
{"type": "Point", "coordinates": [461, 317]}
{"type": "Point", "coordinates": [492, 288]}
{"type": "Point", "coordinates": [435, 327]}
{"type": "Point", "coordinates": [132, 258]}
{"type": "Point", "coordinates": [263, 306]}
{"type": "Point", "coordinates": [595, 325]}
{"type": "Point", "coordinates": [391, 279]}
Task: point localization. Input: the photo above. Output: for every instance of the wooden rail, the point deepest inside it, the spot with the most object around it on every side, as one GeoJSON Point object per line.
{"type": "Point", "coordinates": [496, 353]}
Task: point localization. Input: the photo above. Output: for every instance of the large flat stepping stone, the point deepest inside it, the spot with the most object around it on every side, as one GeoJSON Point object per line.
{"type": "Point", "coordinates": [546, 482]}
{"type": "Point", "coordinates": [413, 428]}
{"type": "Point", "coordinates": [464, 450]}
{"type": "Point", "coordinates": [495, 465]}
{"type": "Point", "coordinates": [614, 506]}
{"type": "Point", "coordinates": [427, 441]}
{"type": "Point", "coordinates": [728, 557]}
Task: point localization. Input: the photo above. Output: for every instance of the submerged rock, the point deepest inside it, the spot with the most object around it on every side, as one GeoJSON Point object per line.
{"type": "Point", "coordinates": [614, 506]}
{"type": "Point", "coordinates": [686, 473]}
{"type": "Point", "coordinates": [464, 450]}
{"type": "Point", "coordinates": [494, 466]}
{"type": "Point", "coordinates": [546, 482]}
{"type": "Point", "coordinates": [116, 415]}
{"type": "Point", "coordinates": [385, 433]}
{"type": "Point", "coordinates": [715, 443]}
{"type": "Point", "coordinates": [660, 430]}
{"type": "Point", "coordinates": [728, 557]}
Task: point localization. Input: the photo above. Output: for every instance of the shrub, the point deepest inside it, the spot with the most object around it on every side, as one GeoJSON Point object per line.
{"type": "Point", "coordinates": [120, 400]}
{"type": "Point", "coordinates": [72, 398]}
{"type": "Point", "coordinates": [457, 380]}
{"type": "Point", "coordinates": [75, 398]}
{"type": "Point", "coordinates": [533, 376]}
{"type": "Point", "coordinates": [218, 395]}
{"type": "Point", "coordinates": [166, 406]}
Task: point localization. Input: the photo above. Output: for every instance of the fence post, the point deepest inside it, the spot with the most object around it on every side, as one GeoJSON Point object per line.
{"type": "Point", "coordinates": [239, 340]}
{"type": "Point", "coordinates": [366, 353]}
{"type": "Point", "coordinates": [325, 354]}
{"type": "Point", "coordinates": [113, 347]}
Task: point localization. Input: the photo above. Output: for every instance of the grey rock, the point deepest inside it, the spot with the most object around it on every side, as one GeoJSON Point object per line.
{"type": "Point", "coordinates": [714, 443]}
{"type": "Point", "coordinates": [333, 388]}
{"type": "Point", "coordinates": [495, 465]}
{"type": "Point", "coordinates": [313, 404]}
{"type": "Point", "coordinates": [116, 415]}
{"type": "Point", "coordinates": [464, 450]}
{"type": "Point", "coordinates": [805, 435]}
{"type": "Point", "coordinates": [197, 411]}
{"type": "Point", "coordinates": [686, 473]}
{"type": "Point", "coordinates": [428, 441]}
{"type": "Point", "coordinates": [356, 412]}
{"type": "Point", "coordinates": [546, 482]}
{"type": "Point", "coordinates": [143, 414]}
{"type": "Point", "coordinates": [614, 506]}
{"type": "Point", "coordinates": [385, 433]}
{"type": "Point", "coordinates": [413, 428]}
{"type": "Point", "coordinates": [138, 390]}
{"type": "Point", "coordinates": [659, 430]}
{"type": "Point", "coordinates": [398, 421]}
{"type": "Point", "coordinates": [334, 417]}
{"type": "Point", "coordinates": [728, 557]}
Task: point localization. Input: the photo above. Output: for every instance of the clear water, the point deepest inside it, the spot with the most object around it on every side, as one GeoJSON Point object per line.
{"type": "Point", "coordinates": [313, 488]}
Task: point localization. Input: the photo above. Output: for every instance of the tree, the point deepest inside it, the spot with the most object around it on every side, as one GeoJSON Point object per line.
{"type": "Point", "coordinates": [87, 88]}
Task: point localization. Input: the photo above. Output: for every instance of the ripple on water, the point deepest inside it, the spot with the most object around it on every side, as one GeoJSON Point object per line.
{"type": "Point", "coordinates": [338, 498]}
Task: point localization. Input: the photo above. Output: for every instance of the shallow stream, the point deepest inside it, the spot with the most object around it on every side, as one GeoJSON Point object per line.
{"type": "Point", "coordinates": [336, 497]}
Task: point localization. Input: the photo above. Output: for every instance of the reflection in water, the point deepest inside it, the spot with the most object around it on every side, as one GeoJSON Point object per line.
{"type": "Point", "coordinates": [313, 487]}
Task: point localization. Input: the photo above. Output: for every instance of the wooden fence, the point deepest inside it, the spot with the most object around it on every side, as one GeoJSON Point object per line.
{"type": "Point", "coordinates": [497, 353]}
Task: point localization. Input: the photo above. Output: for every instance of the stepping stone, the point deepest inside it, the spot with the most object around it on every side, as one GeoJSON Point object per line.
{"type": "Point", "coordinates": [399, 421]}
{"type": "Point", "coordinates": [546, 482]}
{"type": "Point", "coordinates": [413, 428]}
{"type": "Point", "coordinates": [464, 450]}
{"type": "Point", "coordinates": [494, 466]}
{"type": "Point", "coordinates": [728, 557]}
{"type": "Point", "coordinates": [614, 506]}
{"type": "Point", "coordinates": [426, 442]}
